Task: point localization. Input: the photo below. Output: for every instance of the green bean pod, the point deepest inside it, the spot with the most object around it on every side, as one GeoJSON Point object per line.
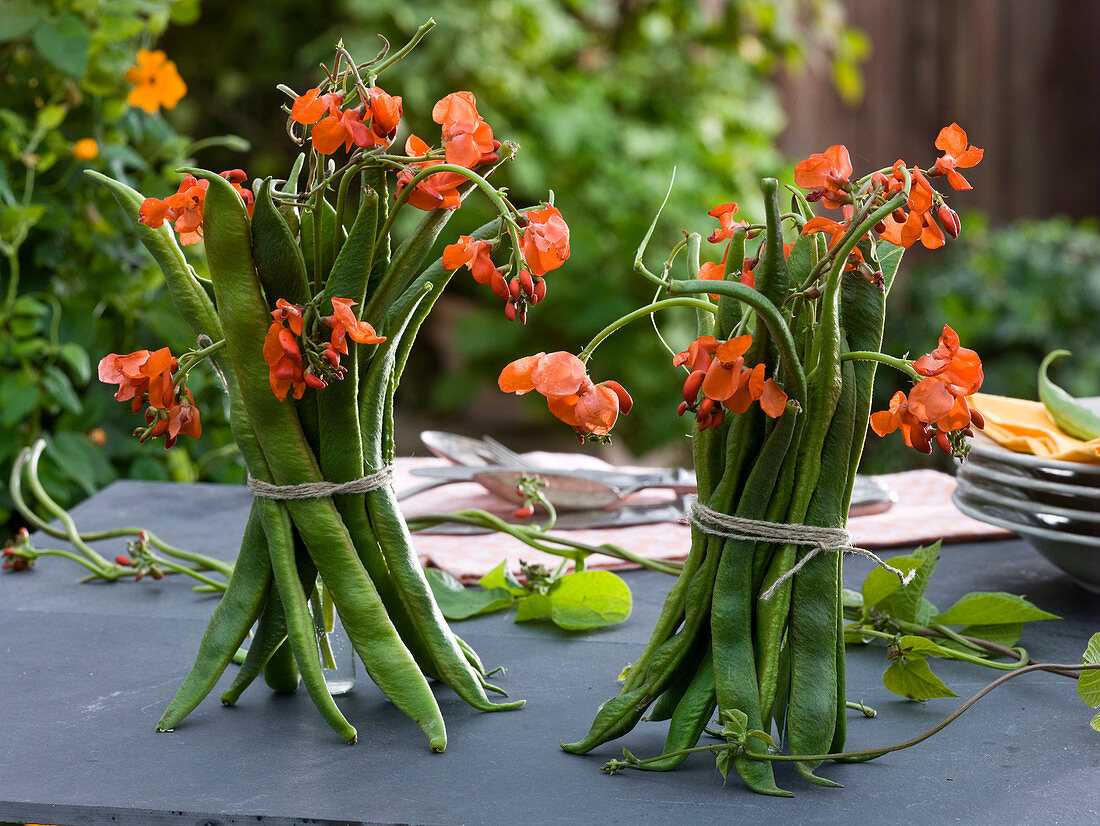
{"type": "Point", "coordinates": [269, 636]}
{"type": "Point", "coordinates": [243, 313]}
{"type": "Point", "coordinates": [1068, 413]}
{"type": "Point", "coordinates": [690, 718]}
{"type": "Point", "coordinates": [299, 622]}
{"type": "Point", "coordinates": [281, 671]}
{"type": "Point", "coordinates": [279, 261]}
{"type": "Point", "coordinates": [238, 608]}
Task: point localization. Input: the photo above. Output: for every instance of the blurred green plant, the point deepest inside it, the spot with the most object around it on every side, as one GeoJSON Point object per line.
{"type": "Point", "coordinates": [604, 99]}
{"type": "Point", "coordinates": [1013, 294]}
{"type": "Point", "coordinates": [76, 283]}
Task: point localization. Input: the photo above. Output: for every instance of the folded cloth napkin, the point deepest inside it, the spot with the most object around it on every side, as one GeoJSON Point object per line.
{"type": "Point", "coordinates": [1026, 427]}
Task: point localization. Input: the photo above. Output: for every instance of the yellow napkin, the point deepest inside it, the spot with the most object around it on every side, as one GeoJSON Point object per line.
{"type": "Point", "coordinates": [1026, 427]}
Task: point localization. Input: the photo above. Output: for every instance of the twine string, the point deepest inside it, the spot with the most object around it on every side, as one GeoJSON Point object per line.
{"type": "Point", "coordinates": [822, 539]}
{"type": "Point", "coordinates": [319, 490]}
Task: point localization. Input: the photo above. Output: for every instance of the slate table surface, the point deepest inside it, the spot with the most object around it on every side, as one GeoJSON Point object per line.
{"type": "Point", "coordinates": [86, 670]}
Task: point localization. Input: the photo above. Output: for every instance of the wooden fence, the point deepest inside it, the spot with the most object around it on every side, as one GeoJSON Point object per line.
{"type": "Point", "coordinates": [1022, 77]}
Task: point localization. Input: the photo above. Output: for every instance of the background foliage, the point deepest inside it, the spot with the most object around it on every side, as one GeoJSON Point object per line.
{"type": "Point", "coordinates": [77, 284]}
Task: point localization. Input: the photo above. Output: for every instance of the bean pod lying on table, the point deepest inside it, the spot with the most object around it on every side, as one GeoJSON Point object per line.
{"type": "Point", "coordinates": [311, 414]}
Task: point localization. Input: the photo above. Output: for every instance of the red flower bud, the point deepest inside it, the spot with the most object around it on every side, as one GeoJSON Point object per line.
{"type": "Point", "coordinates": [880, 227]}
{"type": "Point", "coordinates": [949, 220]}
{"type": "Point", "coordinates": [692, 384]}
{"type": "Point", "coordinates": [499, 286]}
{"type": "Point", "coordinates": [122, 559]}
{"type": "Point", "coordinates": [156, 573]}
{"type": "Point", "coordinates": [540, 291]}
{"type": "Point", "coordinates": [526, 283]}
{"type": "Point", "coordinates": [510, 311]}
{"type": "Point", "coordinates": [513, 289]}
{"type": "Point", "coordinates": [316, 382]}
{"type": "Point", "coordinates": [717, 418]}
{"type": "Point", "coordinates": [899, 215]}
{"type": "Point", "coordinates": [682, 409]}
{"type": "Point", "coordinates": [944, 443]}
{"type": "Point", "coordinates": [524, 512]}
{"type": "Point", "coordinates": [977, 419]}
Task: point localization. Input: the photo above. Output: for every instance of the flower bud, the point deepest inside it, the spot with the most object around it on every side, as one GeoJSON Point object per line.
{"type": "Point", "coordinates": [682, 409]}
{"type": "Point", "coordinates": [880, 227]}
{"type": "Point", "coordinates": [540, 291]}
{"type": "Point", "coordinates": [692, 384]}
{"type": "Point", "coordinates": [524, 512]}
{"type": "Point", "coordinates": [717, 418]}
{"type": "Point", "coordinates": [977, 419]}
{"type": "Point", "coordinates": [526, 283]}
{"type": "Point", "coordinates": [513, 289]}
{"type": "Point", "coordinates": [316, 382]}
{"type": "Point", "coordinates": [949, 220]}
{"type": "Point", "coordinates": [510, 311]}
{"type": "Point", "coordinates": [499, 286]}
{"type": "Point", "coordinates": [899, 215]}
{"type": "Point", "coordinates": [122, 559]}
{"type": "Point", "coordinates": [944, 443]}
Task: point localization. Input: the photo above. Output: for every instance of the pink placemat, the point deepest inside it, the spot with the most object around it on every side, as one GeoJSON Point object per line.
{"type": "Point", "coordinates": [923, 513]}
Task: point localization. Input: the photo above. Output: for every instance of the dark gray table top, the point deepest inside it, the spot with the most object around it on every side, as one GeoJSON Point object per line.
{"type": "Point", "coordinates": [86, 670]}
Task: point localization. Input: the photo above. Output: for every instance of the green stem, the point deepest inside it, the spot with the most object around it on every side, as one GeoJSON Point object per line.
{"type": "Point", "coordinates": [191, 572]}
{"type": "Point", "coordinates": [639, 264]}
{"type": "Point", "coordinates": [950, 653]}
{"type": "Point", "coordinates": [404, 50]}
{"type": "Point", "coordinates": [642, 312]}
{"type": "Point", "coordinates": [858, 754]}
{"type": "Point", "coordinates": [890, 361]}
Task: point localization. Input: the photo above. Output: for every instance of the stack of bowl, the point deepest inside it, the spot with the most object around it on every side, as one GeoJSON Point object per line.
{"type": "Point", "coordinates": [1054, 505]}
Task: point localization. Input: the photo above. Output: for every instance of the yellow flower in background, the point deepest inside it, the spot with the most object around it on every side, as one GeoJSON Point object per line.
{"type": "Point", "coordinates": [156, 82]}
{"type": "Point", "coordinates": [85, 149]}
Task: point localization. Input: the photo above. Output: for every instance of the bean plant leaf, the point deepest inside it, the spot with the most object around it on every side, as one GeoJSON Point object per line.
{"type": "Point", "coordinates": [501, 577]}
{"type": "Point", "coordinates": [532, 607]}
{"type": "Point", "coordinates": [905, 602]}
{"type": "Point", "coordinates": [912, 646]}
{"type": "Point", "coordinates": [851, 599]}
{"type": "Point", "coordinates": [589, 599]}
{"type": "Point", "coordinates": [991, 608]}
{"type": "Point", "coordinates": [20, 394]}
{"type": "Point", "coordinates": [1088, 683]}
{"type": "Point", "coordinates": [76, 357]}
{"type": "Point", "coordinates": [881, 583]}
{"type": "Point", "coordinates": [914, 679]}
{"type": "Point", "coordinates": [724, 761]}
{"type": "Point", "coordinates": [18, 17]}
{"type": "Point", "coordinates": [1096, 722]}
{"type": "Point", "coordinates": [58, 385]}
{"type": "Point", "coordinates": [457, 602]}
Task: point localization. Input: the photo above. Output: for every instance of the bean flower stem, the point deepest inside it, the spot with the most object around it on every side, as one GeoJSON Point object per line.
{"type": "Point", "coordinates": [642, 312]}
{"type": "Point", "coordinates": [890, 361]}
{"type": "Point", "coordinates": [862, 754]}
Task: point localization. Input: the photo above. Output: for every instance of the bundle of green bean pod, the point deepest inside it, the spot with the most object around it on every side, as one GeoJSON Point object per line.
{"type": "Point", "coordinates": [752, 630]}
{"type": "Point", "coordinates": [314, 418]}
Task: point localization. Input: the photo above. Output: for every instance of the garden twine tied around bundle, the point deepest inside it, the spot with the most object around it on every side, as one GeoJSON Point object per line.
{"type": "Point", "coordinates": [319, 490]}
{"type": "Point", "coordinates": [823, 540]}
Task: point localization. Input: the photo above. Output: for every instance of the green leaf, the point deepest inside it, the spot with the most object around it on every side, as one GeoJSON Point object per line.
{"type": "Point", "coordinates": [1088, 683]}
{"type": "Point", "coordinates": [735, 723]}
{"type": "Point", "coordinates": [1096, 722]}
{"type": "Point", "coordinates": [18, 17]}
{"type": "Point", "coordinates": [913, 646]}
{"type": "Point", "coordinates": [905, 603]}
{"type": "Point", "coordinates": [762, 736]}
{"type": "Point", "coordinates": [64, 42]}
{"type": "Point", "coordinates": [79, 460]}
{"type": "Point", "coordinates": [880, 583]}
{"type": "Point", "coordinates": [724, 761]}
{"type": "Point", "coordinates": [50, 117]}
{"type": "Point", "coordinates": [589, 599]}
{"type": "Point", "coordinates": [1006, 634]}
{"type": "Point", "coordinates": [851, 599]}
{"type": "Point", "coordinates": [27, 306]}
{"type": "Point", "coordinates": [21, 396]}
{"type": "Point", "coordinates": [457, 602]}
{"type": "Point", "coordinates": [991, 608]}
{"type": "Point", "coordinates": [914, 679]}
{"type": "Point", "coordinates": [57, 384]}
{"type": "Point", "coordinates": [926, 612]}
{"type": "Point", "coordinates": [501, 577]}
{"type": "Point", "coordinates": [532, 607]}
{"type": "Point", "coordinates": [77, 358]}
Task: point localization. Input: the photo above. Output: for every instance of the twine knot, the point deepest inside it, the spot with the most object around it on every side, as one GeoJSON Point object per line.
{"type": "Point", "coordinates": [319, 490]}
{"type": "Point", "coordinates": [821, 539]}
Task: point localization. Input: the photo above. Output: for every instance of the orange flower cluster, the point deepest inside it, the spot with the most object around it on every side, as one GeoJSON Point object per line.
{"type": "Point", "coordinates": [156, 81]}
{"type": "Point", "coordinates": [286, 341]}
{"type": "Point", "coordinates": [925, 217]}
{"type": "Point", "coordinates": [544, 245]}
{"type": "Point", "coordinates": [726, 225]}
{"type": "Point", "coordinates": [590, 409]}
{"type": "Point", "coordinates": [467, 141]}
{"type": "Point", "coordinates": [718, 371]}
{"type": "Point", "coordinates": [936, 407]}
{"type": "Point", "coordinates": [184, 208]}
{"type": "Point", "coordinates": [145, 377]}
{"type": "Point", "coordinates": [373, 122]}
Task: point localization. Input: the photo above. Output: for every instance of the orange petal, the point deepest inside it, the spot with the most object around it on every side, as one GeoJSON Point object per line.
{"type": "Point", "coordinates": [516, 377]}
{"type": "Point", "coordinates": [597, 409]}
{"type": "Point", "coordinates": [930, 400]}
{"type": "Point", "coordinates": [558, 374]}
{"type": "Point", "coordinates": [773, 400]}
{"type": "Point", "coordinates": [952, 140]}
{"type": "Point", "coordinates": [733, 349]}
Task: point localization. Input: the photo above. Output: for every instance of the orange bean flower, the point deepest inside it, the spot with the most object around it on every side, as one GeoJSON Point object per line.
{"type": "Point", "coordinates": [717, 370]}
{"type": "Point", "coordinates": [467, 138]}
{"type": "Point", "coordinates": [956, 155]}
{"type": "Point", "coordinates": [157, 83]}
{"type": "Point", "coordinates": [438, 191]}
{"type": "Point", "coordinates": [590, 409]}
{"type": "Point", "coordinates": [545, 240]}
{"type": "Point", "coordinates": [140, 376]}
{"type": "Point", "coordinates": [726, 223]}
{"type": "Point", "coordinates": [468, 252]}
{"type": "Point", "coordinates": [827, 173]}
